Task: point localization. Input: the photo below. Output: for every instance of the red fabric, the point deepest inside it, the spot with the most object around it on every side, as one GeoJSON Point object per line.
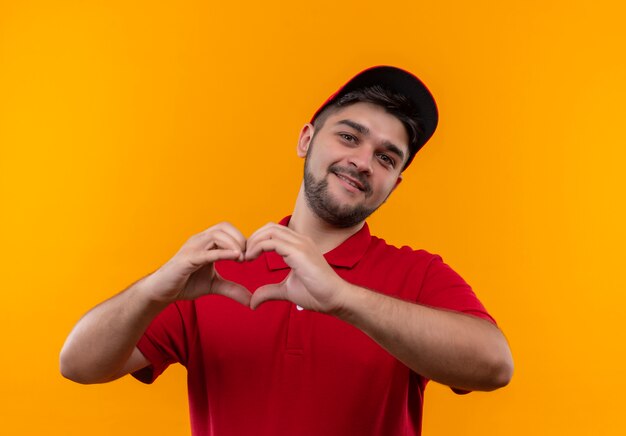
{"type": "Point", "coordinates": [281, 371]}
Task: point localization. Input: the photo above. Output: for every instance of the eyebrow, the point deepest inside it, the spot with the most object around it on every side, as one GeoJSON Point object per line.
{"type": "Point", "coordinates": [365, 131]}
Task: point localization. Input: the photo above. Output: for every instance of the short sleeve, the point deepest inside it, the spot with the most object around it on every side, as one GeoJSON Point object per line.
{"type": "Point", "coordinates": [443, 288]}
{"type": "Point", "coordinates": [163, 343]}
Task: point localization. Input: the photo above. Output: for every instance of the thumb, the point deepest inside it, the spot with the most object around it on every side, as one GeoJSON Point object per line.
{"type": "Point", "coordinates": [231, 290]}
{"type": "Point", "coordinates": [274, 291]}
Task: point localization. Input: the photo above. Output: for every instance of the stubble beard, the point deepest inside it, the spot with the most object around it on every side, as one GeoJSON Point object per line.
{"type": "Point", "coordinates": [322, 203]}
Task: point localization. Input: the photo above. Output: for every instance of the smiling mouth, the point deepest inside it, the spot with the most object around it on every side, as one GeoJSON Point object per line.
{"type": "Point", "coordinates": [350, 181]}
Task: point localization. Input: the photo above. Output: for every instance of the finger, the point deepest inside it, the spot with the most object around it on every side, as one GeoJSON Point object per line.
{"type": "Point", "coordinates": [271, 229]}
{"type": "Point", "coordinates": [209, 241]}
{"type": "Point", "coordinates": [227, 230]}
{"type": "Point", "coordinates": [257, 235]}
{"type": "Point", "coordinates": [206, 257]}
{"type": "Point", "coordinates": [234, 232]}
{"type": "Point", "coordinates": [281, 247]}
{"type": "Point", "coordinates": [275, 291]}
{"type": "Point", "coordinates": [224, 240]}
{"type": "Point", "coordinates": [231, 290]}
{"type": "Point", "coordinates": [262, 241]}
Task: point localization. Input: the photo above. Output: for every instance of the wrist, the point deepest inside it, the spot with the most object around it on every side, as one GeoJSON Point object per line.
{"type": "Point", "coordinates": [346, 296]}
{"type": "Point", "coordinates": [359, 305]}
{"type": "Point", "coordinates": [147, 292]}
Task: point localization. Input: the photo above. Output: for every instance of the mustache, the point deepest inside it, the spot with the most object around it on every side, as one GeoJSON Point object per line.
{"type": "Point", "coordinates": [352, 173]}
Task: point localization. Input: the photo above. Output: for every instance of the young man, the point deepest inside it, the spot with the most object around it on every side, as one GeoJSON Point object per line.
{"type": "Point", "coordinates": [356, 327]}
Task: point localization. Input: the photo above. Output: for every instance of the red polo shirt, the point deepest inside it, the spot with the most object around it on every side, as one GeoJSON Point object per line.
{"type": "Point", "coordinates": [282, 371]}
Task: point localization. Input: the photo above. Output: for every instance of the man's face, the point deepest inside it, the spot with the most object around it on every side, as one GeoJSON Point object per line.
{"type": "Point", "coordinates": [353, 162]}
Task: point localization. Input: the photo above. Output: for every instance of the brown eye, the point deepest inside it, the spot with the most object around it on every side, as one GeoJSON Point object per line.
{"type": "Point", "coordinates": [386, 159]}
{"type": "Point", "coordinates": [347, 137]}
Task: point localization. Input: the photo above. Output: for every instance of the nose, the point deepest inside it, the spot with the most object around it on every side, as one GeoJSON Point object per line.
{"type": "Point", "coordinates": [361, 158]}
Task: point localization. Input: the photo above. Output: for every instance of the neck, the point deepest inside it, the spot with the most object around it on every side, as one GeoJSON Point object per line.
{"type": "Point", "coordinates": [325, 235]}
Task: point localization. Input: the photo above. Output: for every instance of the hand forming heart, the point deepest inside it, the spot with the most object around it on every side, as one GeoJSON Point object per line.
{"type": "Point", "coordinates": [311, 284]}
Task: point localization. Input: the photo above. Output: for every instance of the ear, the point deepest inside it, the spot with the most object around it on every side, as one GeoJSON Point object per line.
{"type": "Point", "coordinates": [398, 181]}
{"type": "Point", "coordinates": [306, 135]}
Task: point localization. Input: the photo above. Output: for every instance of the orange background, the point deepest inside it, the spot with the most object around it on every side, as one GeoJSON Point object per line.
{"type": "Point", "coordinates": [125, 127]}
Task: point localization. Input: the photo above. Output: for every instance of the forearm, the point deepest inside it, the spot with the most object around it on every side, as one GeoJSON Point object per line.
{"type": "Point", "coordinates": [103, 340]}
{"type": "Point", "coordinates": [454, 349]}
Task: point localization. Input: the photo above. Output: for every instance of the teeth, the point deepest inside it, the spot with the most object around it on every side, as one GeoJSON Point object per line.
{"type": "Point", "coordinates": [350, 182]}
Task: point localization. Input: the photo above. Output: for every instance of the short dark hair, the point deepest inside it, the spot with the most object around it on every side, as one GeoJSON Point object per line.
{"type": "Point", "coordinates": [395, 104]}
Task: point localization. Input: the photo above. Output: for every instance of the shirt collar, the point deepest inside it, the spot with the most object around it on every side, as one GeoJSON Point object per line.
{"type": "Point", "coordinates": [345, 255]}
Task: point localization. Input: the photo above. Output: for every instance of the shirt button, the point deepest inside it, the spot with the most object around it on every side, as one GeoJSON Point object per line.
{"type": "Point", "coordinates": [299, 307]}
